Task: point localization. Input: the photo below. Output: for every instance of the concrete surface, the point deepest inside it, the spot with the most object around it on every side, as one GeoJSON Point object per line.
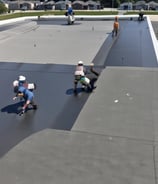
{"type": "Point", "coordinates": [31, 35]}
{"type": "Point", "coordinates": [109, 136]}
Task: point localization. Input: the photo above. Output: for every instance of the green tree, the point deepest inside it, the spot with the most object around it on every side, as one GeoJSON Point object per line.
{"type": "Point", "coordinates": [106, 3]}
{"type": "Point", "coordinates": [116, 3]}
{"type": "Point", "coordinates": [3, 8]}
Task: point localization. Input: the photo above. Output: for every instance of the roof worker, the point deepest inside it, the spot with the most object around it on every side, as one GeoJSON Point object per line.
{"type": "Point", "coordinates": [79, 74]}
{"type": "Point", "coordinates": [86, 76]}
{"type": "Point", "coordinates": [141, 14]}
{"type": "Point", "coordinates": [79, 71]}
{"type": "Point", "coordinates": [70, 10]}
{"type": "Point", "coordinates": [115, 27]}
{"type": "Point", "coordinates": [24, 93]}
{"type": "Point", "coordinates": [93, 75]}
{"type": "Point", "coordinates": [70, 15]}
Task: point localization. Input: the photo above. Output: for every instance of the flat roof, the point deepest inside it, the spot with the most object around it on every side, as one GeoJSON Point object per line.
{"type": "Point", "coordinates": [108, 136]}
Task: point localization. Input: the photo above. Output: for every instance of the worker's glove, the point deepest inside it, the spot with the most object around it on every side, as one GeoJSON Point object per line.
{"type": "Point", "coordinates": [14, 98]}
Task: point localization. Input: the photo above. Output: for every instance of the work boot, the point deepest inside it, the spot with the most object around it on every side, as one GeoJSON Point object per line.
{"type": "Point", "coordinates": [34, 107]}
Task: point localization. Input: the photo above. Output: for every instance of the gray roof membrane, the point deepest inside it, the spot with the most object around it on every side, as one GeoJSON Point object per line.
{"type": "Point", "coordinates": [108, 136]}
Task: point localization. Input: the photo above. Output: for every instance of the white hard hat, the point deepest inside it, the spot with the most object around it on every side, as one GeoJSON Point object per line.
{"type": "Point", "coordinates": [22, 78]}
{"type": "Point", "coordinates": [80, 62]}
{"type": "Point", "coordinates": [15, 83]}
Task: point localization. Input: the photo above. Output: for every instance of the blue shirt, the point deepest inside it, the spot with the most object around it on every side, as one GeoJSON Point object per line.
{"type": "Point", "coordinates": [70, 10]}
{"type": "Point", "coordinates": [27, 93]}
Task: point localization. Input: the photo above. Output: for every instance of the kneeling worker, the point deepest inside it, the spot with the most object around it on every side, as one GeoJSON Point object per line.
{"type": "Point", "coordinates": [28, 96]}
